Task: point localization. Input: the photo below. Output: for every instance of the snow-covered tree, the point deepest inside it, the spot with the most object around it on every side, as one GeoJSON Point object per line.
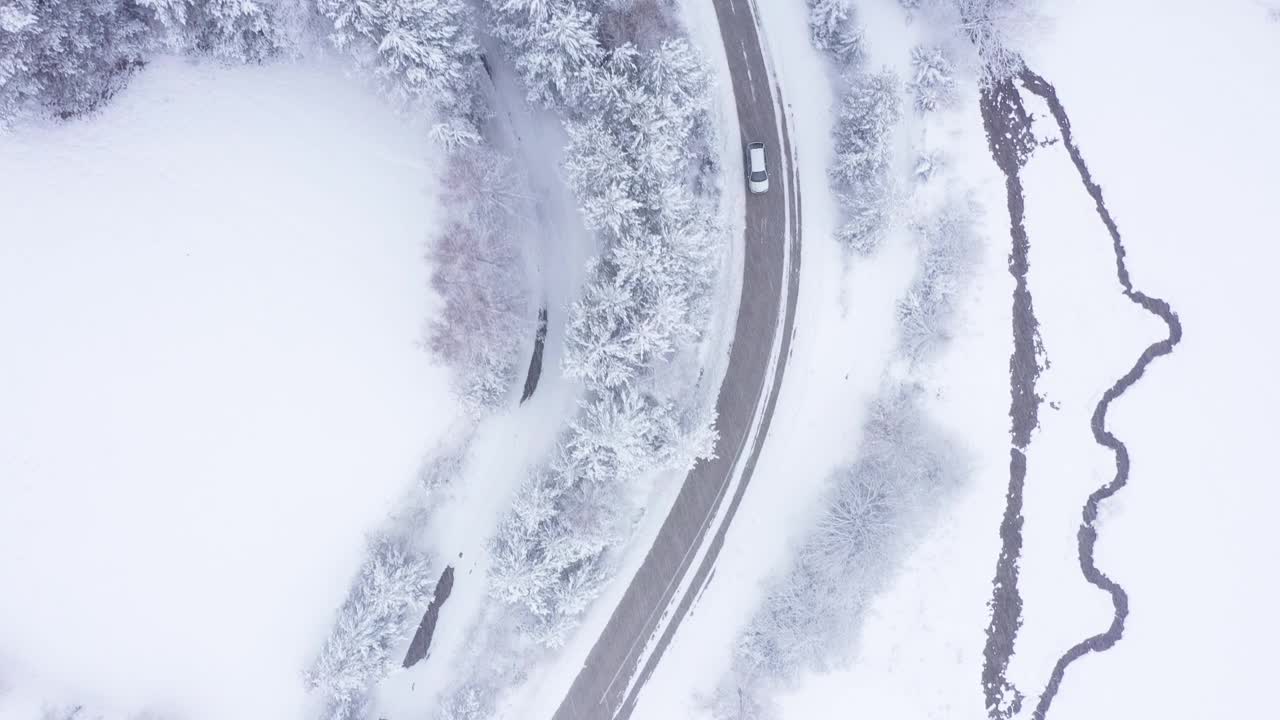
{"type": "Point", "coordinates": [834, 29]}
{"type": "Point", "coordinates": [471, 702]}
{"type": "Point", "coordinates": [949, 246]}
{"type": "Point", "coordinates": [933, 83]}
{"type": "Point", "coordinates": [867, 114]}
{"type": "Point", "coordinates": [67, 57]}
{"type": "Point", "coordinates": [236, 30]}
{"type": "Point", "coordinates": [553, 44]}
{"type": "Point", "coordinates": [809, 618]}
{"type": "Point", "coordinates": [478, 269]}
{"type": "Point", "coordinates": [860, 171]}
{"type": "Point", "coordinates": [997, 29]}
{"type": "Point", "coordinates": [382, 609]}
{"type": "Point", "coordinates": [424, 53]}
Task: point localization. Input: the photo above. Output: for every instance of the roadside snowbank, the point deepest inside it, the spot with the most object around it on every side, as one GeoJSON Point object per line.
{"type": "Point", "coordinates": [212, 298]}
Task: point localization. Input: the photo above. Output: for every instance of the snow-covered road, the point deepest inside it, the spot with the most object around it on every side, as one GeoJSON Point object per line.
{"type": "Point", "coordinates": [608, 685]}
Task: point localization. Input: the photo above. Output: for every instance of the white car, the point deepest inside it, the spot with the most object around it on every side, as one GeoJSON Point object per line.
{"type": "Point", "coordinates": [757, 176]}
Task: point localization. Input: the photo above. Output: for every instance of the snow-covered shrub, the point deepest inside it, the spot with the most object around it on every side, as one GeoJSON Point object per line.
{"type": "Point", "coordinates": [809, 617]}
{"type": "Point", "coordinates": [933, 83]}
{"type": "Point", "coordinates": [869, 109]}
{"type": "Point", "coordinates": [629, 163]}
{"type": "Point", "coordinates": [928, 163]}
{"type": "Point", "coordinates": [867, 114]}
{"type": "Point", "coordinates": [381, 610]}
{"type": "Point", "coordinates": [834, 29]}
{"type": "Point", "coordinates": [996, 29]}
{"type": "Point", "coordinates": [478, 270]}
{"type": "Point", "coordinates": [948, 249]}
{"type": "Point", "coordinates": [470, 702]}
{"type": "Point", "coordinates": [443, 468]}
{"type": "Point", "coordinates": [860, 170]}
{"type": "Point", "coordinates": [69, 56]}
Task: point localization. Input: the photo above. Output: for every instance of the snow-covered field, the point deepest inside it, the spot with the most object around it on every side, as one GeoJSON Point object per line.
{"type": "Point", "coordinates": [1183, 145]}
{"type": "Point", "coordinates": [212, 301]}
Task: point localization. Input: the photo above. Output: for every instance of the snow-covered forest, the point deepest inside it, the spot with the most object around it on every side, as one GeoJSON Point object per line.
{"type": "Point", "coordinates": [634, 99]}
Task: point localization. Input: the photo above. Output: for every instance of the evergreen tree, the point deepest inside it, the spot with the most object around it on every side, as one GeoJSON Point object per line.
{"type": "Point", "coordinates": [382, 608]}
{"type": "Point", "coordinates": [67, 57]}
{"type": "Point", "coordinates": [422, 51]}
{"type": "Point", "coordinates": [933, 84]}
{"type": "Point", "coordinates": [860, 172]}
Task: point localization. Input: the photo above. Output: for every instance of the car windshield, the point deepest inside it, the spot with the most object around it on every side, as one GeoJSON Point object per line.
{"type": "Point", "coordinates": [757, 175]}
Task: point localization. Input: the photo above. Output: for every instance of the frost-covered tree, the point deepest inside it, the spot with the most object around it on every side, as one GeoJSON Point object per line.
{"type": "Point", "coordinates": [478, 269]}
{"type": "Point", "coordinates": [809, 617]}
{"type": "Point", "coordinates": [933, 83]}
{"type": "Point", "coordinates": [860, 171]}
{"type": "Point", "coordinates": [997, 29]}
{"type": "Point", "coordinates": [380, 611]}
{"type": "Point", "coordinates": [67, 57]}
{"type": "Point", "coordinates": [553, 44]}
{"type": "Point", "coordinates": [550, 553]}
{"type": "Point", "coordinates": [471, 702]}
{"type": "Point", "coordinates": [480, 329]}
{"type": "Point", "coordinates": [949, 246]}
{"type": "Point", "coordinates": [237, 30]}
{"type": "Point", "coordinates": [835, 30]}
{"type": "Point", "coordinates": [629, 164]}
{"type": "Point", "coordinates": [424, 53]}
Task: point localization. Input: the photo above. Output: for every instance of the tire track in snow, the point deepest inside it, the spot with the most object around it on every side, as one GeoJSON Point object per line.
{"type": "Point", "coordinates": [1087, 536]}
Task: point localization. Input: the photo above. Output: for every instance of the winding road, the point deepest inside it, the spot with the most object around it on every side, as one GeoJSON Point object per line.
{"type": "Point", "coordinates": [604, 688]}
